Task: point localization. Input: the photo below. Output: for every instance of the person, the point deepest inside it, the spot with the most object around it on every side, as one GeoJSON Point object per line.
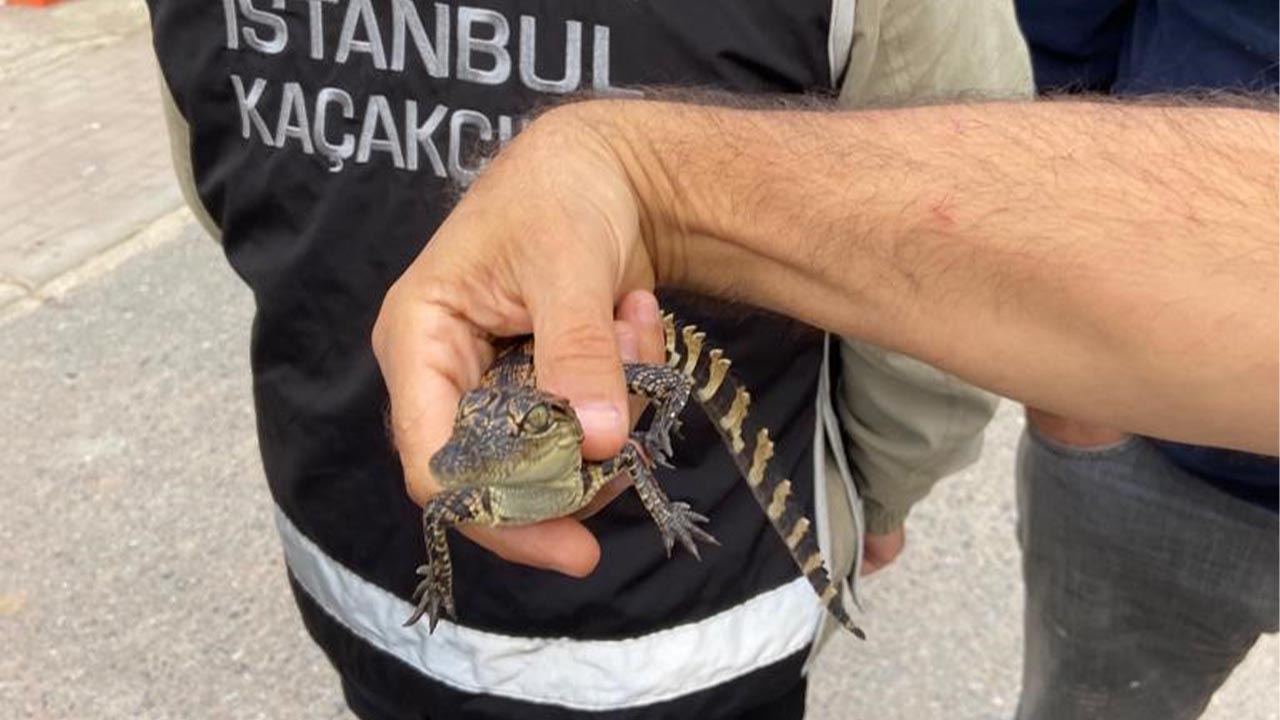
{"type": "Point", "coordinates": [966, 261]}
{"type": "Point", "coordinates": [1130, 614]}
{"type": "Point", "coordinates": [321, 142]}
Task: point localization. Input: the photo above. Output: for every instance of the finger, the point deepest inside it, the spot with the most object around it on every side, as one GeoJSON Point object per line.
{"type": "Point", "coordinates": [563, 545]}
{"type": "Point", "coordinates": [628, 339]}
{"type": "Point", "coordinates": [869, 566]}
{"type": "Point", "coordinates": [640, 337]}
{"type": "Point", "coordinates": [638, 330]}
{"type": "Point", "coordinates": [428, 358]}
{"type": "Point", "coordinates": [639, 309]}
{"type": "Point", "coordinates": [576, 355]}
{"type": "Point", "coordinates": [882, 549]}
{"type": "Point", "coordinates": [629, 350]}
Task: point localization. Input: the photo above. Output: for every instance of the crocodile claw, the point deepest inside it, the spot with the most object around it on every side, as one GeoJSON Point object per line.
{"type": "Point", "coordinates": [681, 523]}
{"type": "Point", "coordinates": [657, 445]}
{"type": "Point", "coordinates": [432, 596]}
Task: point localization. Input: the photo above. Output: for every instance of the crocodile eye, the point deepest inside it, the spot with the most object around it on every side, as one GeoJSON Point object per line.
{"type": "Point", "coordinates": [537, 420]}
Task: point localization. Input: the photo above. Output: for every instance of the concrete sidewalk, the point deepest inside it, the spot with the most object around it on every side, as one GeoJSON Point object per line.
{"type": "Point", "coordinates": [84, 159]}
{"type": "Point", "coordinates": [139, 572]}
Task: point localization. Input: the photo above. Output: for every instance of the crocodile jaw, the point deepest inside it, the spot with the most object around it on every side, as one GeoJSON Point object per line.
{"type": "Point", "coordinates": [471, 459]}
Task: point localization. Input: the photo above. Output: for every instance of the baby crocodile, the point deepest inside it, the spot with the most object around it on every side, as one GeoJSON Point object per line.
{"type": "Point", "coordinates": [515, 458]}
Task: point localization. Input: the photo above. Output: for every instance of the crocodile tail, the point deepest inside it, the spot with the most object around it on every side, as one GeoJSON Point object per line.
{"type": "Point", "coordinates": [728, 405]}
{"type": "Point", "coordinates": [796, 531]}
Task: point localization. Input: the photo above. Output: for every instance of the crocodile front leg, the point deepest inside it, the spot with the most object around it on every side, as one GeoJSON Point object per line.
{"type": "Point", "coordinates": [434, 594]}
{"type": "Point", "coordinates": [668, 389]}
{"type": "Point", "coordinates": [675, 520]}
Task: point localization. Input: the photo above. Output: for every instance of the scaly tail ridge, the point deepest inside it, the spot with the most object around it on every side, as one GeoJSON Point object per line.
{"type": "Point", "coordinates": [728, 404]}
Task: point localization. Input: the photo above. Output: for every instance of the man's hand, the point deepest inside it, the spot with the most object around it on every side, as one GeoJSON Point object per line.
{"type": "Point", "coordinates": [929, 231]}
{"type": "Point", "coordinates": [546, 242]}
{"type": "Point", "coordinates": [882, 549]}
{"type": "Point", "coordinates": [1073, 433]}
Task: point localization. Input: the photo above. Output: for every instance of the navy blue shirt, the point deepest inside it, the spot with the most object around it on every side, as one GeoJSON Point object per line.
{"type": "Point", "coordinates": [1151, 46]}
{"type": "Point", "coordinates": [1128, 47]}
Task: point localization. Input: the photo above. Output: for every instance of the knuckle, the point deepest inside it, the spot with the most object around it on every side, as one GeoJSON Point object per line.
{"type": "Point", "coordinates": [654, 346]}
{"type": "Point", "coordinates": [419, 483]}
{"type": "Point", "coordinates": [388, 313]}
{"type": "Point", "coordinates": [418, 492]}
{"type": "Point", "coordinates": [581, 343]}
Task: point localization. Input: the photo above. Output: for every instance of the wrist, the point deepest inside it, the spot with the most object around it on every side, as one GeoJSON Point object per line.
{"type": "Point", "coordinates": [638, 135]}
{"type": "Point", "coordinates": [577, 164]}
{"type": "Point", "coordinates": [724, 195]}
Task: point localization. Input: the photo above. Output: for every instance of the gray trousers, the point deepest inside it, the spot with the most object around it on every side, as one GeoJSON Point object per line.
{"type": "Point", "coordinates": [1145, 586]}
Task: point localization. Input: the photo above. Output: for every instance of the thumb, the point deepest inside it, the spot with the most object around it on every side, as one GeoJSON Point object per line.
{"type": "Point", "coordinates": [577, 356]}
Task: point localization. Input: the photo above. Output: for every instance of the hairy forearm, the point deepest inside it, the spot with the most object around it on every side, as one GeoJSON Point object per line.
{"type": "Point", "coordinates": [1113, 263]}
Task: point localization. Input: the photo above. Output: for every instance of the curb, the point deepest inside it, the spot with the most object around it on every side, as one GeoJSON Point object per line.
{"type": "Point", "coordinates": [158, 232]}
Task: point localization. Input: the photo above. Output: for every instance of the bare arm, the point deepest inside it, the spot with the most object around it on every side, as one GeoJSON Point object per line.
{"type": "Point", "coordinates": [1112, 263]}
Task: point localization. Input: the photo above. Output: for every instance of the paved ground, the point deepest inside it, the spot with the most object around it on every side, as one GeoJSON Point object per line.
{"type": "Point", "coordinates": [83, 158]}
{"type": "Point", "coordinates": [139, 574]}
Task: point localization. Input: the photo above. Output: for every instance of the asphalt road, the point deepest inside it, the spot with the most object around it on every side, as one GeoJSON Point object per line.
{"type": "Point", "coordinates": [140, 575]}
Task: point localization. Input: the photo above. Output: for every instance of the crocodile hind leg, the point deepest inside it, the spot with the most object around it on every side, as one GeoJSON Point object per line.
{"type": "Point", "coordinates": [434, 594]}
{"type": "Point", "coordinates": [675, 520]}
{"type": "Point", "coordinates": [668, 389]}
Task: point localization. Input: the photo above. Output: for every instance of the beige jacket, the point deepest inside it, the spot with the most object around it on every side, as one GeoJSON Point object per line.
{"type": "Point", "coordinates": [894, 425]}
{"type": "Point", "coordinates": [906, 424]}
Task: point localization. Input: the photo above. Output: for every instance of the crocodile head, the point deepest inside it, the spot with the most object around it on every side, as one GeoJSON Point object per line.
{"type": "Point", "coordinates": [511, 436]}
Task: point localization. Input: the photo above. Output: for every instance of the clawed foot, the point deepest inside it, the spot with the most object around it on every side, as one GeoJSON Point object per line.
{"type": "Point", "coordinates": [656, 442]}
{"type": "Point", "coordinates": [681, 523]}
{"type": "Point", "coordinates": [432, 596]}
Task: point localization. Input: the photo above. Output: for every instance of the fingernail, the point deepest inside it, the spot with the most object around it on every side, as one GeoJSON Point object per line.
{"type": "Point", "coordinates": [599, 419]}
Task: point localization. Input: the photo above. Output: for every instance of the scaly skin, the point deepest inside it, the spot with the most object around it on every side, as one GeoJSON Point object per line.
{"type": "Point", "coordinates": [515, 458]}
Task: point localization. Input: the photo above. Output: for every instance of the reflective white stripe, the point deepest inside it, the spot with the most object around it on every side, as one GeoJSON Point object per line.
{"type": "Point", "coordinates": [578, 674]}
{"type": "Point", "coordinates": [829, 432]}
{"type": "Point", "coordinates": [840, 39]}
